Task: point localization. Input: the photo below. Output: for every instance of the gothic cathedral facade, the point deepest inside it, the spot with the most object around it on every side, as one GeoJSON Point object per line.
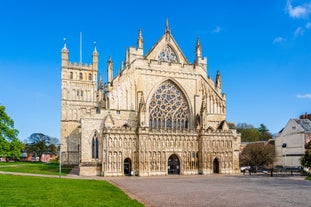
{"type": "Point", "coordinates": [160, 115]}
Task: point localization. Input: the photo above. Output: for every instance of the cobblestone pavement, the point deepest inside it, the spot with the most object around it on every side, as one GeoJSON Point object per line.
{"type": "Point", "coordinates": [218, 190]}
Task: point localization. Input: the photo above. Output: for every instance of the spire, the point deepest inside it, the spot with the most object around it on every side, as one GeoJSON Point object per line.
{"type": "Point", "coordinates": [140, 40]}
{"type": "Point", "coordinates": [95, 50]}
{"type": "Point", "coordinates": [110, 70]}
{"type": "Point", "coordinates": [95, 58]}
{"type": "Point", "coordinates": [218, 80]}
{"type": "Point", "coordinates": [167, 29]}
{"type": "Point", "coordinates": [100, 84]}
{"type": "Point", "coordinates": [65, 46]}
{"type": "Point", "coordinates": [198, 48]}
{"type": "Point", "coordinates": [65, 54]}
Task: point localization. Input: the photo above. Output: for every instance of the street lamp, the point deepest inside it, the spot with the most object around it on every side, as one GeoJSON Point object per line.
{"type": "Point", "coordinates": [284, 145]}
{"type": "Point", "coordinates": [60, 161]}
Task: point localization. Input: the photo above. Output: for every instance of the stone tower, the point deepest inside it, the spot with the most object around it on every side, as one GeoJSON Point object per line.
{"type": "Point", "coordinates": [79, 87]}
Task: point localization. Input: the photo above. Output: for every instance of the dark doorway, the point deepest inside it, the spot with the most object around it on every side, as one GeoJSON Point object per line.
{"type": "Point", "coordinates": [127, 166]}
{"type": "Point", "coordinates": [216, 166]}
{"type": "Point", "coordinates": [173, 165]}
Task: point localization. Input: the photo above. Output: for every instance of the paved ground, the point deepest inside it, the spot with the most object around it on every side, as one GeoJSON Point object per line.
{"type": "Point", "coordinates": [211, 190]}
{"type": "Point", "coordinates": [218, 190]}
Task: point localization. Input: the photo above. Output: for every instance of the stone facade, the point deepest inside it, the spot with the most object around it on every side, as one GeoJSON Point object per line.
{"type": "Point", "coordinates": [160, 115]}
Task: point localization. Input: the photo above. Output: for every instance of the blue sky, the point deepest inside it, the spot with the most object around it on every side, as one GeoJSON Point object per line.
{"type": "Point", "coordinates": [262, 49]}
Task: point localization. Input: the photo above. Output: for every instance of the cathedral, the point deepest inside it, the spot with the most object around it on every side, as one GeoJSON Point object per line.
{"type": "Point", "coordinates": [159, 115]}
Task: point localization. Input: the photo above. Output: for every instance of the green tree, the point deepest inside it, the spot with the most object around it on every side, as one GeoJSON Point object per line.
{"type": "Point", "coordinates": [41, 144]}
{"type": "Point", "coordinates": [306, 158]}
{"type": "Point", "coordinates": [257, 155]}
{"type": "Point", "coordinates": [250, 135]}
{"type": "Point", "coordinates": [10, 146]}
{"type": "Point", "coordinates": [264, 133]}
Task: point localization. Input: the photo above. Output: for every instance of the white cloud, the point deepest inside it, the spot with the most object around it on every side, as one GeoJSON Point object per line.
{"type": "Point", "coordinates": [301, 11]}
{"type": "Point", "coordinates": [304, 96]}
{"type": "Point", "coordinates": [279, 40]}
{"type": "Point", "coordinates": [217, 29]}
{"type": "Point", "coordinates": [308, 25]}
{"type": "Point", "coordinates": [299, 32]}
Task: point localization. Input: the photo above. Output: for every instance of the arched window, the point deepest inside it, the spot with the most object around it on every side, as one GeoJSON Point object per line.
{"type": "Point", "coordinates": [169, 108]}
{"type": "Point", "coordinates": [95, 146]}
{"type": "Point", "coordinates": [80, 76]}
{"type": "Point", "coordinates": [90, 76]}
{"type": "Point", "coordinates": [71, 75]}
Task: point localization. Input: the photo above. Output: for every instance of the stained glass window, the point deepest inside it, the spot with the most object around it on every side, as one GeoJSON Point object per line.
{"type": "Point", "coordinates": [95, 147]}
{"type": "Point", "coordinates": [167, 55]}
{"type": "Point", "coordinates": [168, 108]}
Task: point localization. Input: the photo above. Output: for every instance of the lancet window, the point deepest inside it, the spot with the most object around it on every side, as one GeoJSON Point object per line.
{"type": "Point", "coordinates": [169, 108]}
{"type": "Point", "coordinates": [95, 147]}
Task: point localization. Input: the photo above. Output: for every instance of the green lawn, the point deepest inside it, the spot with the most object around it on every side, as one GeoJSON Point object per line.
{"type": "Point", "coordinates": [308, 177]}
{"type": "Point", "coordinates": [41, 191]}
{"type": "Point", "coordinates": [34, 167]}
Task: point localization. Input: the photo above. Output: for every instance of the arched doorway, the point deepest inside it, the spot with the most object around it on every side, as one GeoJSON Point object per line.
{"type": "Point", "coordinates": [127, 166]}
{"type": "Point", "coordinates": [173, 165]}
{"type": "Point", "coordinates": [215, 166]}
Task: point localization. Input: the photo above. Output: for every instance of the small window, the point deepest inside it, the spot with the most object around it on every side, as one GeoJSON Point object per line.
{"type": "Point", "coordinates": [95, 146]}
{"type": "Point", "coordinates": [294, 128]}
{"type": "Point", "coordinates": [71, 75]}
{"type": "Point", "coordinates": [81, 76]}
{"type": "Point", "coordinates": [78, 92]}
{"type": "Point", "coordinates": [118, 112]}
{"type": "Point", "coordinates": [90, 76]}
{"type": "Point", "coordinates": [81, 93]}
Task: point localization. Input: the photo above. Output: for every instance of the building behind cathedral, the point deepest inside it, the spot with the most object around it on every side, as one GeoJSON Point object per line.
{"type": "Point", "coordinates": [160, 115]}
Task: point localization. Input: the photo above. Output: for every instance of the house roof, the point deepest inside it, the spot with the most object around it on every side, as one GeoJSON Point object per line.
{"type": "Point", "coordinates": [305, 124]}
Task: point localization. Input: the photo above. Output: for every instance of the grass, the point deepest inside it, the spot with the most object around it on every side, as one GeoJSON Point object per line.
{"type": "Point", "coordinates": [41, 191]}
{"type": "Point", "coordinates": [308, 177]}
{"type": "Point", "coordinates": [34, 167]}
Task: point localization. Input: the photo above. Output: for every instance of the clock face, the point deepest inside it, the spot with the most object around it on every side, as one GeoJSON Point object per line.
{"type": "Point", "coordinates": [167, 55]}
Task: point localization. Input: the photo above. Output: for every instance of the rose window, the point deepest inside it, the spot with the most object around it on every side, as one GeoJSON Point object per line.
{"type": "Point", "coordinates": [167, 55]}
{"type": "Point", "coordinates": [168, 108]}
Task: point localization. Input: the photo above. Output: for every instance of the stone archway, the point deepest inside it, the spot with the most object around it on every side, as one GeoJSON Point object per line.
{"type": "Point", "coordinates": [173, 167]}
{"type": "Point", "coordinates": [216, 166]}
{"type": "Point", "coordinates": [127, 167]}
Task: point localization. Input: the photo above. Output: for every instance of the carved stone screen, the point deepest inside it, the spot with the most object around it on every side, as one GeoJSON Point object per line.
{"type": "Point", "coordinates": [168, 108]}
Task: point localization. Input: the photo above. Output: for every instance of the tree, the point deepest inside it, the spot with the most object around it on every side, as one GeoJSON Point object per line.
{"type": "Point", "coordinates": [306, 158]}
{"type": "Point", "coordinates": [41, 144]}
{"type": "Point", "coordinates": [10, 146]}
{"type": "Point", "coordinates": [257, 155]}
{"type": "Point", "coordinates": [250, 135]}
{"type": "Point", "coordinates": [264, 133]}
{"type": "Point", "coordinates": [241, 126]}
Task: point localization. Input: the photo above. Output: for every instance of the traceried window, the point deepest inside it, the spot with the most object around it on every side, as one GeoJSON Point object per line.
{"type": "Point", "coordinates": [95, 147]}
{"type": "Point", "coordinates": [167, 55]}
{"type": "Point", "coordinates": [169, 108]}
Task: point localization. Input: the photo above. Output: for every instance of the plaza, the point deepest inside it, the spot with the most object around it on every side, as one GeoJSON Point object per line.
{"type": "Point", "coordinates": [218, 190]}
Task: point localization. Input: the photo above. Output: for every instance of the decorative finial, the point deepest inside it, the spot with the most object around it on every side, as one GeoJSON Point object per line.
{"type": "Point", "coordinates": [140, 40]}
{"type": "Point", "coordinates": [198, 50]}
{"type": "Point", "coordinates": [95, 50]}
{"type": "Point", "coordinates": [198, 42]}
{"type": "Point", "coordinates": [65, 46]}
{"type": "Point", "coordinates": [167, 29]}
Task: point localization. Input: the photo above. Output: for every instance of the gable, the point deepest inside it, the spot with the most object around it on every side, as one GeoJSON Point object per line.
{"type": "Point", "coordinates": [167, 50]}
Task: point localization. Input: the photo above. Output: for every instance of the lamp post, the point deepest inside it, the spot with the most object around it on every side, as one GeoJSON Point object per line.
{"type": "Point", "coordinates": [284, 145]}
{"type": "Point", "coordinates": [60, 161]}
